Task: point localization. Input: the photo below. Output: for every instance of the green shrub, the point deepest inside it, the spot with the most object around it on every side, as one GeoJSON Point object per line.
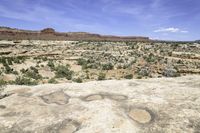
{"type": "Point", "coordinates": [44, 58]}
{"type": "Point", "coordinates": [78, 80]}
{"type": "Point", "coordinates": [23, 70]}
{"type": "Point", "coordinates": [10, 60]}
{"type": "Point", "coordinates": [91, 66]}
{"type": "Point", "coordinates": [170, 72]}
{"type": "Point", "coordinates": [87, 76]}
{"type": "Point", "coordinates": [2, 83]}
{"type": "Point", "coordinates": [52, 81]}
{"type": "Point", "coordinates": [8, 69]}
{"type": "Point", "coordinates": [3, 60]}
{"type": "Point", "coordinates": [63, 72]}
{"type": "Point", "coordinates": [102, 76]}
{"type": "Point", "coordinates": [108, 66]}
{"type": "Point", "coordinates": [86, 64]}
{"type": "Point", "coordinates": [150, 58]}
{"type": "Point", "coordinates": [31, 73]}
{"type": "Point", "coordinates": [16, 60]}
{"type": "Point", "coordinates": [20, 59]}
{"type": "Point", "coordinates": [51, 64]}
{"type": "Point", "coordinates": [139, 77]}
{"type": "Point", "coordinates": [144, 71]}
{"type": "Point", "coordinates": [24, 81]}
{"type": "Point", "coordinates": [119, 67]}
{"type": "Point", "coordinates": [128, 76]}
{"type": "Point", "coordinates": [81, 61]}
{"type": "Point", "coordinates": [35, 70]}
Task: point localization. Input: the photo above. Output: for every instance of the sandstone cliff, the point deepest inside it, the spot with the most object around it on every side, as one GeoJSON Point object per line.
{"type": "Point", "coordinates": [50, 34]}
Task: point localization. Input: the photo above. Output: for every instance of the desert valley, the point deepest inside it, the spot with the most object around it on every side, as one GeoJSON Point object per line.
{"type": "Point", "coordinates": [88, 83]}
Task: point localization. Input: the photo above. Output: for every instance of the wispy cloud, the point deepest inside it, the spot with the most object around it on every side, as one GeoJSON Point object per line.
{"type": "Point", "coordinates": [42, 14]}
{"type": "Point", "coordinates": [119, 7]}
{"type": "Point", "coordinates": [171, 30]}
{"type": "Point", "coordinates": [146, 12]}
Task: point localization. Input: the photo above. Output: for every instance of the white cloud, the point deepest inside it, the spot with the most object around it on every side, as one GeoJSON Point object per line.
{"type": "Point", "coordinates": [171, 30]}
{"type": "Point", "coordinates": [167, 30]}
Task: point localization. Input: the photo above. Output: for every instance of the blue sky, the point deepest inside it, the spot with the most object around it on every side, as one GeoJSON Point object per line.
{"type": "Point", "coordinates": [157, 19]}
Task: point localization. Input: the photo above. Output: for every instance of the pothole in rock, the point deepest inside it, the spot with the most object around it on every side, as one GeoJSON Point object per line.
{"type": "Point", "coordinates": [15, 114]}
{"type": "Point", "coordinates": [118, 97]}
{"type": "Point", "coordinates": [2, 96]}
{"type": "Point", "coordinates": [133, 84]}
{"type": "Point", "coordinates": [67, 126]}
{"type": "Point", "coordinates": [141, 116]}
{"type": "Point", "coordinates": [93, 97]}
{"type": "Point", "coordinates": [25, 94]}
{"type": "Point", "coordinates": [10, 114]}
{"type": "Point", "coordinates": [12, 129]}
{"type": "Point", "coordinates": [2, 106]}
{"type": "Point", "coordinates": [58, 97]}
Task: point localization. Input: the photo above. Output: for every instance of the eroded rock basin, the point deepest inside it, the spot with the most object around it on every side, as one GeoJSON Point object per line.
{"type": "Point", "coordinates": [165, 105]}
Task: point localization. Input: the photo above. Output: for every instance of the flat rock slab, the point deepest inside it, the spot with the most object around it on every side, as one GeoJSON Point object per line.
{"type": "Point", "coordinates": [165, 105]}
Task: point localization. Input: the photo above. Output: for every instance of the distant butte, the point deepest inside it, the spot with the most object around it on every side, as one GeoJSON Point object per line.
{"type": "Point", "coordinates": [7, 33]}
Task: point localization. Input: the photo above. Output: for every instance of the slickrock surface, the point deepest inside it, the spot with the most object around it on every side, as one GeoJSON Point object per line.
{"type": "Point", "coordinates": [165, 105]}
